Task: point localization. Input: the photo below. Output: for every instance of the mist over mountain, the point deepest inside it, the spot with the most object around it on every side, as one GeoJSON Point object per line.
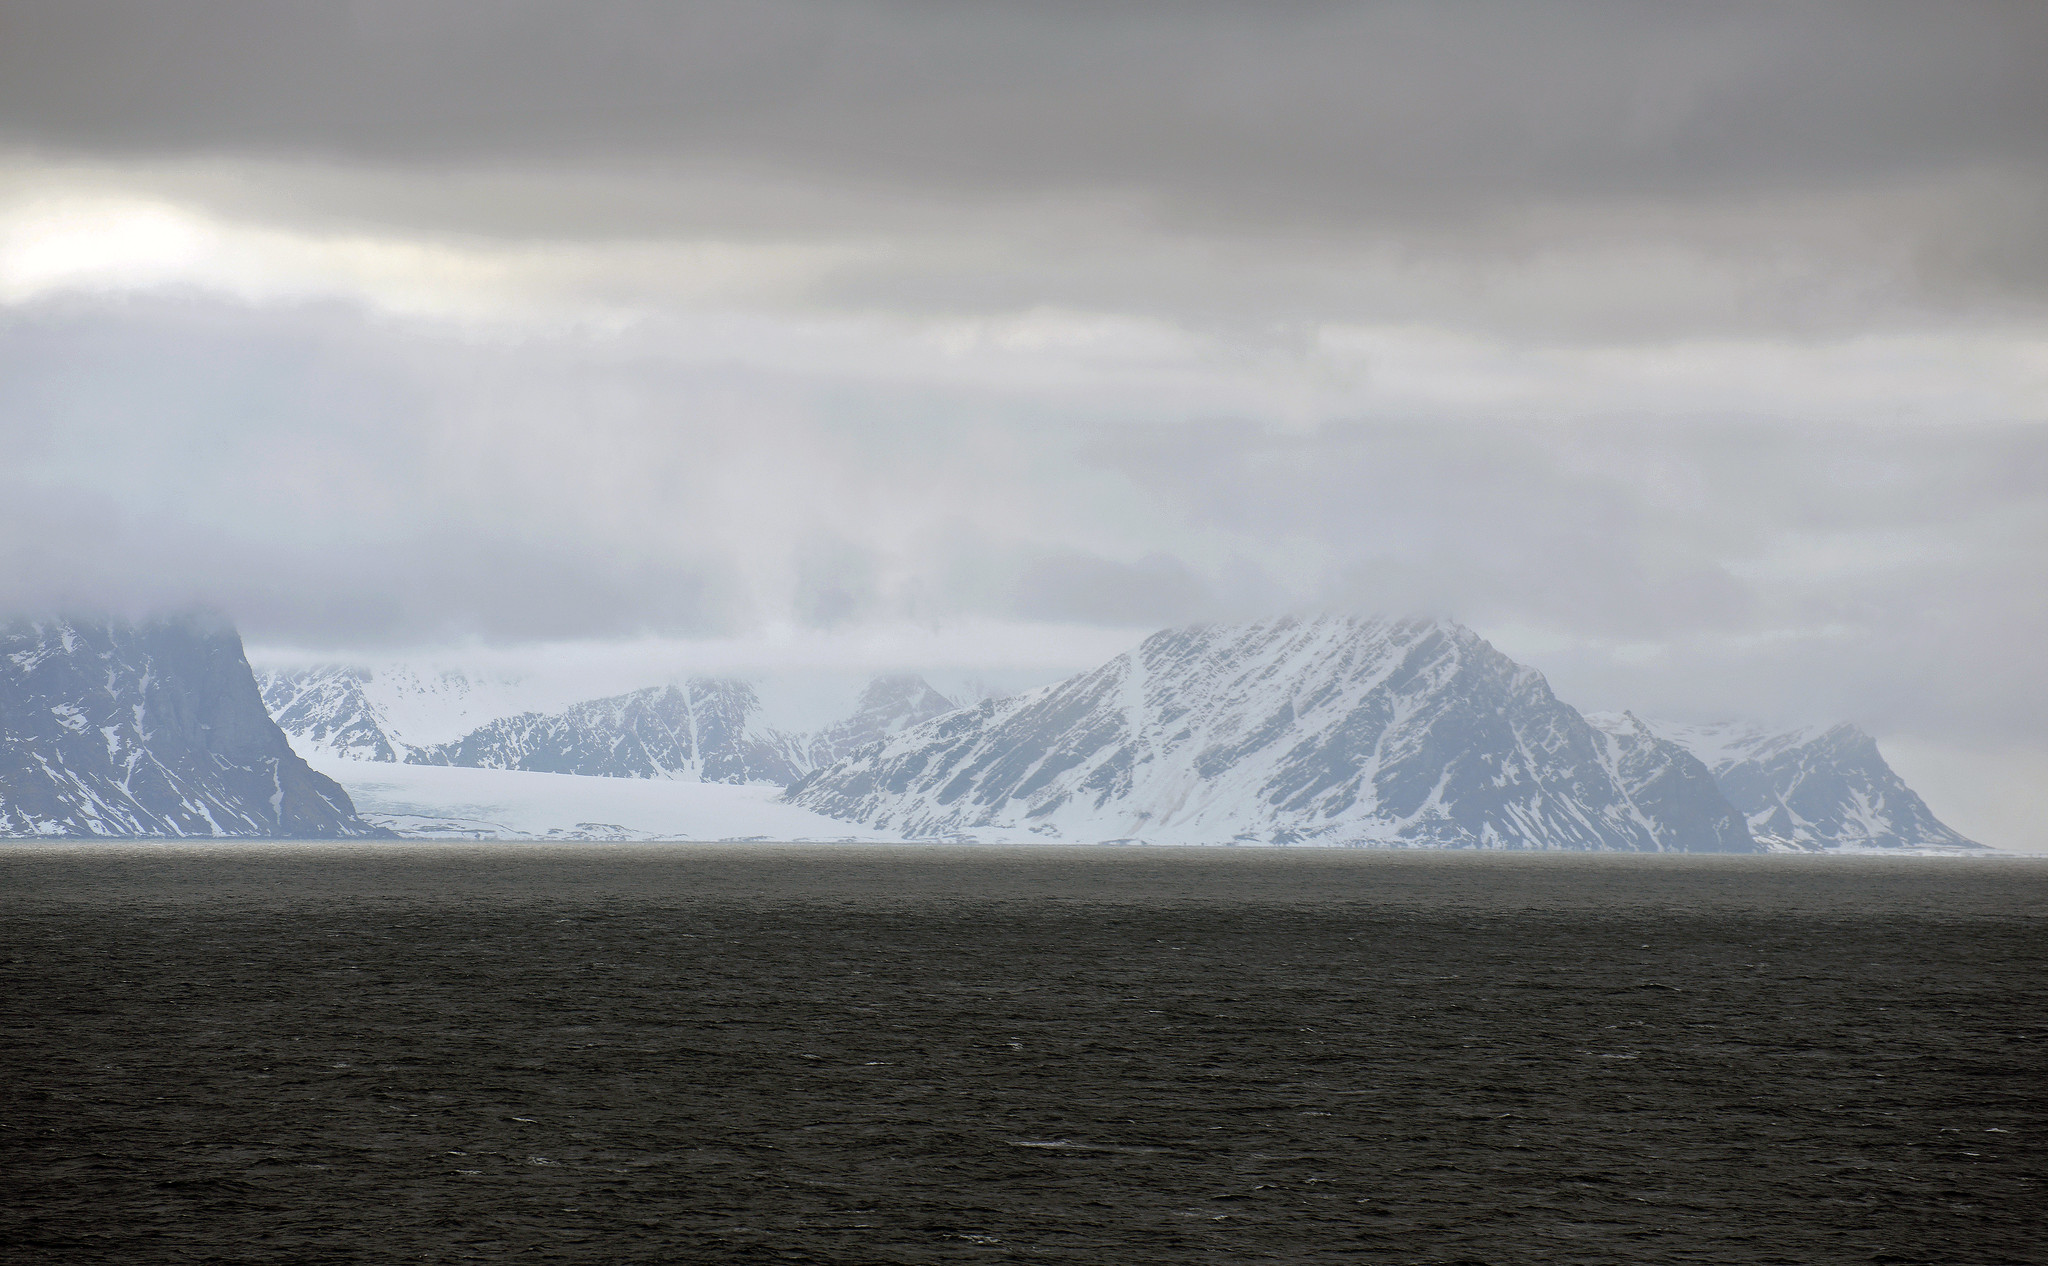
{"type": "Point", "coordinates": [905, 631]}
{"type": "Point", "coordinates": [1692, 353]}
{"type": "Point", "coordinates": [153, 729]}
{"type": "Point", "coordinates": [889, 706]}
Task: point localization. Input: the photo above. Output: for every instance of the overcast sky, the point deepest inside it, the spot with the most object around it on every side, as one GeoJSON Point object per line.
{"type": "Point", "coordinates": [1696, 354]}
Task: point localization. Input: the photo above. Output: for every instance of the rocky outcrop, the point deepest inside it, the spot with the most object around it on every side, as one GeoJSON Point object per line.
{"type": "Point", "coordinates": [326, 710]}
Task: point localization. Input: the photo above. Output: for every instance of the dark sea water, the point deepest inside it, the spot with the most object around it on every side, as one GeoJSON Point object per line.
{"type": "Point", "coordinates": [626, 1053]}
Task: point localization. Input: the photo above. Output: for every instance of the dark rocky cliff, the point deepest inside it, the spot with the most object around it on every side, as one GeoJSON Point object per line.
{"type": "Point", "coordinates": [156, 729]}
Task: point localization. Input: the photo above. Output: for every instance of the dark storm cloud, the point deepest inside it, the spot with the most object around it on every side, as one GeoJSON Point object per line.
{"type": "Point", "coordinates": [1319, 116]}
{"type": "Point", "coordinates": [1348, 102]}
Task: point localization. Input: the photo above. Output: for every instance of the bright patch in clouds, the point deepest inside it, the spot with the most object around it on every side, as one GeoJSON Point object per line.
{"type": "Point", "coordinates": [110, 242]}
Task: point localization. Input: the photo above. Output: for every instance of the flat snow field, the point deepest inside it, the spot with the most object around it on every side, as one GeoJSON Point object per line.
{"type": "Point", "coordinates": [446, 802]}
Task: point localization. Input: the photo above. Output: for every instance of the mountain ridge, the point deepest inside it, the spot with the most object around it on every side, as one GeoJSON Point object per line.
{"type": "Point", "coordinates": [699, 731]}
{"type": "Point", "coordinates": [890, 704]}
{"type": "Point", "coordinates": [1813, 787]}
{"type": "Point", "coordinates": [1614, 780]}
{"type": "Point", "coordinates": [1325, 730]}
{"type": "Point", "coordinates": [355, 713]}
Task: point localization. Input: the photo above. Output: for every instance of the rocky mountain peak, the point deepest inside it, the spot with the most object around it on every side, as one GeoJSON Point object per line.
{"type": "Point", "coordinates": [888, 706]}
{"type": "Point", "coordinates": [1331, 729]}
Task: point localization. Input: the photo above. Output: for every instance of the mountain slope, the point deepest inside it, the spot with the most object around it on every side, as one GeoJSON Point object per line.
{"type": "Point", "coordinates": [887, 707]}
{"type": "Point", "coordinates": [1336, 731]}
{"type": "Point", "coordinates": [154, 729]}
{"type": "Point", "coordinates": [1814, 788]}
{"type": "Point", "coordinates": [382, 714]}
{"type": "Point", "coordinates": [325, 711]}
{"type": "Point", "coordinates": [1661, 778]}
{"type": "Point", "coordinates": [698, 732]}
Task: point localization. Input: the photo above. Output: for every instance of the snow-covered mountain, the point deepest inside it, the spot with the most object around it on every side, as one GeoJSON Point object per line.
{"type": "Point", "coordinates": [108, 728]}
{"type": "Point", "coordinates": [701, 731]}
{"type": "Point", "coordinates": [889, 706]}
{"type": "Point", "coordinates": [1822, 787]}
{"type": "Point", "coordinates": [1334, 731]}
{"type": "Point", "coordinates": [386, 713]}
{"type": "Point", "coordinates": [1331, 730]}
{"type": "Point", "coordinates": [408, 714]}
{"type": "Point", "coordinates": [326, 710]}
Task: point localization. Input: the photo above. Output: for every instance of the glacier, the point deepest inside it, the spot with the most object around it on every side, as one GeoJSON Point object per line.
{"type": "Point", "coordinates": [452, 802]}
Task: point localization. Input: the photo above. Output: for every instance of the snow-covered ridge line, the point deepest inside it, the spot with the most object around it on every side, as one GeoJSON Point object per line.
{"type": "Point", "coordinates": [386, 713]}
{"type": "Point", "coordinates": [702, 729]}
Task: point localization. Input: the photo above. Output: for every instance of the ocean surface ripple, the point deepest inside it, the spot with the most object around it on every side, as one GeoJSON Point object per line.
{"type": "Point", "coordinates": [628, 1053]}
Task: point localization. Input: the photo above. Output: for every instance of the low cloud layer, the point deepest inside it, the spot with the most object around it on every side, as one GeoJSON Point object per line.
{"type": "Point", "coordinates": [328, 478]}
